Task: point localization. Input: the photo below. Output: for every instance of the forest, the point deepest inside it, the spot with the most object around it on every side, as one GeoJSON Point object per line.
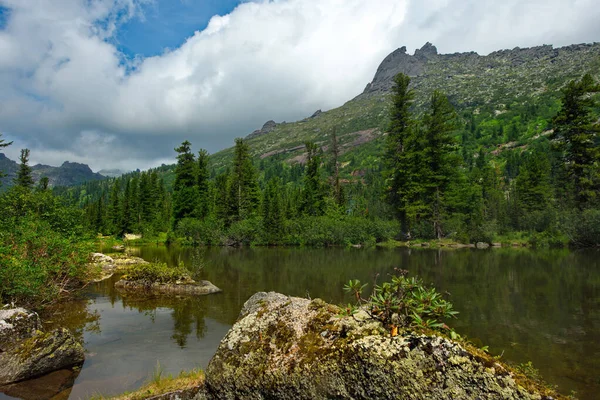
{"type": "Point", "coordinates": [432, 181]}
{"type": "Point", "coordinates": [430, 186]}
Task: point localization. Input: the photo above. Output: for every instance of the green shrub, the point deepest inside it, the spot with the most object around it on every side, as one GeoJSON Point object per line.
{"type": "Point", "coordinates": [402, 303]}
{"type": "Point", "coordinates": [158, 273]}
{"type": "Point", "coordinates": [38, 264]}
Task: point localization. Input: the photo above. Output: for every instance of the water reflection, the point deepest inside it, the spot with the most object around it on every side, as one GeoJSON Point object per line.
{"type": "Point", "coordinates": [538, 306]}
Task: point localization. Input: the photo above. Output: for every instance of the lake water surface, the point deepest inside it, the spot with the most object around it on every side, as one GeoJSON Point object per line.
{"type": "Point", "coordinates": [539, 306]}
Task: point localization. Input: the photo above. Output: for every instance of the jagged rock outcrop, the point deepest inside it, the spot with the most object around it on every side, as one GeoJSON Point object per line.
{"type": "Point", "coordinates": [266, 128]}
{"type": "Point", "coordinates": [291, 348]}
{"type": "Point", "coordinates": [459, 71]}
{"type": "Point", "coordinates": [27, 352]}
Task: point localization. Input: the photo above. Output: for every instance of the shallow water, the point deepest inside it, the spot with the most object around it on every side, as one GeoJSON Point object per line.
{"type": "Point", "coordinates": [539, 306]}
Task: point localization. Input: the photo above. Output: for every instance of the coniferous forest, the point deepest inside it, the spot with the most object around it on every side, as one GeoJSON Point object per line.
{"type": "Point", "coordinates": [430, 182]}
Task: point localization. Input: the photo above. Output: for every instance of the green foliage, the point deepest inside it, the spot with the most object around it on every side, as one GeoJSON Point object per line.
{"type": "Point", "coordinates": [158, 273]}
{"type": "Point", "coordinates": [403, 303]}
{"type": "Point", "coordinates": [273, 213]}
{"type": "Point", "coordinates": [244, 192]}
{"type": "Point", "coordinates": [313, 194]}
{"type": "Point", "coordinates": [576, 131]}
{"type": "Point", "coordinates": [24, 178]}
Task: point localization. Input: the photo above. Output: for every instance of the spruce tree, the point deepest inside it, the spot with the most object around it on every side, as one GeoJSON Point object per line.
{"type": "Point", "coordinates": [576, 132]}
{"type": "Point", "coordinates": [338, 190]}
{"type": "Point", "coordinates": [397, 153]}
{"type": "Point", "coordinates": [244, 191]}
{"type": "Point", "coordinates": [114, 207]}
{"type": "Point", "coordinates": [440, 160]}
{"type": "Point", "coordinates": [273, 215]}
{"type": "Point", "coordinates": [202, 182]}
{"type": "Point", "coordinates": [24, 178]}
{"type": "Point", "coordinates": [43, 184]}
{"type": "Point", "coordinates": [313, 195]}
{"type": "Point", "coordinates": [185, 193]}
{"type": "Point", "coordinates": [533, 182]}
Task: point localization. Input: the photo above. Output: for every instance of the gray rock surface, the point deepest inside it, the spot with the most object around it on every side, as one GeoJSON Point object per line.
{"type": "Point", "coordinates": [196, 288]}
{"type": "Point", "coordinates": [291, 348]}
{"type": "Point", "coordinates": [27, 352]}
{"type": "Point", "coordinates": [266, 128]}
{"type": "Point", "coordinates": [17, 324]}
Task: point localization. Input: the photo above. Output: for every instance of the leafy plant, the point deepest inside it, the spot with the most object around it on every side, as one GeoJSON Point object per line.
{"type": "Point", "coordinates": [402, 302]}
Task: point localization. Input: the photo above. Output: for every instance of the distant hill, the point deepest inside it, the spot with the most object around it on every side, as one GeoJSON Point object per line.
{"type": "Point", "coordinates": [112, 173]}
{"type": "Point", "coordinates": [68, 174]}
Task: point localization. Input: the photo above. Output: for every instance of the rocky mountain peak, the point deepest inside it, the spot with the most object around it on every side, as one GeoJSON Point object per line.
{"type": "Point", "coordinates": [266, 128]}
{"type": "Point", "coordinates": [426, 52]}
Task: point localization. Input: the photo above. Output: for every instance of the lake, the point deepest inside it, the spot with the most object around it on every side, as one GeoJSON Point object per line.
{"type": "Point", "coordinates": [539, 306]}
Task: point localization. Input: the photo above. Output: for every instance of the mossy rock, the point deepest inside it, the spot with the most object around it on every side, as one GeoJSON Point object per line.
{"type": "Point", "coordinates": [291, 348]}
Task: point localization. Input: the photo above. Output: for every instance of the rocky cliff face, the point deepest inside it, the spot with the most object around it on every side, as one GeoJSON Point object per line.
{"type": "Point", "coordinates": [291, 348]}
{"type": "Point", "coordinates": [455, 74]}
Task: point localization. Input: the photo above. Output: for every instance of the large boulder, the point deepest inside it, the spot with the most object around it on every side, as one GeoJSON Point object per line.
{"type": "Point", "coordinates": [291, 348]}
{"type": "Point", "coordinates": [26, 352]}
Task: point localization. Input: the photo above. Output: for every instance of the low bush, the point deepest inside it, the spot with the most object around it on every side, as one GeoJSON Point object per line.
{"type": "Point", "coordinates": [158, 273]}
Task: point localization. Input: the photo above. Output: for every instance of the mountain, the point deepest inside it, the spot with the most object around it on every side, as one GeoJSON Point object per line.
{"type": "Point", "coordinates": [68, 174]}
{"type": "Point", "coordinates": [506, 99]}
{"type": "Point", "coordinates": [112, 173]}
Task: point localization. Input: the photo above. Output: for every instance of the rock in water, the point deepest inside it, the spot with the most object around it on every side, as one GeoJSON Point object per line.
{"type": "Point", "coordinates": [291, 348]}
{"type": "Point", "coordinates": [26, 352]}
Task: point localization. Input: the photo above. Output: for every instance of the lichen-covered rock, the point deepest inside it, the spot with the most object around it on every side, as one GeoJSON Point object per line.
{"type": "Point", "coordinates": [185, 288]}
{"type": "Point", "coordinates": [291, 348]}
{"type": "Point", "coordinates": [39, 354]}
{"type": "Point", "coordinates": [17, 324]}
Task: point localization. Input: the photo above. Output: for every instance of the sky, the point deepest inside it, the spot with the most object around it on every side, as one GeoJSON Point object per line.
{"type": "Point", "coordinates": [120, 83]}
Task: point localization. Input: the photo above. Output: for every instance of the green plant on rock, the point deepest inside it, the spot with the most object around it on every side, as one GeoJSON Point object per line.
{"type": "Point", "coordinates": [402, 302]}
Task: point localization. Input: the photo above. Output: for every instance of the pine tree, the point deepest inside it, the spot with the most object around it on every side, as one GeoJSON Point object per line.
{"type": "Point", "coordinates": [126, 209]}
{"type": "Point", "coordinates": [244, 191]}
{"type": "Point", "coordinates": [185, 191]}
{"type": "Point", "coordinates": [24, 178]}
{"type": "Point", "coordinates": [202, 182]}
{"type": "Point", "coordinates": [221, 193]}
{"type": "Point", "coordinates": [313, 195]}
{"type": "Point", "coordinates": [577, 132]}
{"type": "Point", "coordinates": [273, 216]}
{"type": "Point", "coordinates": [397, 153]}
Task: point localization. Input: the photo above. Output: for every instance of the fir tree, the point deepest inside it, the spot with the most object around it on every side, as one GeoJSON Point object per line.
{"type": "Point", "coordinates": [576, 132]}
{"type": "Point", "coordinates": [114, 207]}
{"type": "Point", "coordinates": [244, 192]}
{"type": "Point", "coordinates": [533, 182]}
{"type": "Point", "coordinates": [202, 182]}
{"type": "Point", "coordinates": [185, 191]}
{"type": "Point", "coordinates": [440, 160]}
{"type": "Point", "coordinates": [43, 184]}
{"type": "Point", "coordinates": [338, 190]}
{"type": "Point", "coordinates": [273, 215]}
{"type": "Point", "coordinates": [24, 178]}
{"type": "Point", "coordinates": [313, 196]}
{"type": "Point", "coordinates": [397, 153]}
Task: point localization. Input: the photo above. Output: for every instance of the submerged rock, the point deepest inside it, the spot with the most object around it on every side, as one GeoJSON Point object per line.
{"type": "Point", "coordinates": [194, 288]}
{"type": "Point", "coordinates": [26, 352]}
{"type": "Point", "coordinates": [291, 348]}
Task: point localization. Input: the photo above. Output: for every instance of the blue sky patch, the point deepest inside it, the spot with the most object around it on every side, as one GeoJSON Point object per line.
{"type": "Point", "coordinates": [167, 24]}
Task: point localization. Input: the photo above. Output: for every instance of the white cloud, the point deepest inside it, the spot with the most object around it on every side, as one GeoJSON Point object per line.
{"type": "Point", "coordinates": [62, 77]}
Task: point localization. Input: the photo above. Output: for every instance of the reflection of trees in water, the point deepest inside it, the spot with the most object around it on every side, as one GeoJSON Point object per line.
{"type": "Point", "coordinates": [188, 313]}
{"type": "Point", "coordinates": [73, 315]}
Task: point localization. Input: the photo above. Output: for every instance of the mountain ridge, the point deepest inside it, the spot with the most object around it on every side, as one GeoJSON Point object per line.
{"type": "Point", "coordinates": [68, 174]}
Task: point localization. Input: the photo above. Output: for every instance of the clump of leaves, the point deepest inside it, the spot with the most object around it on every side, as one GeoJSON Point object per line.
{"type": "Point", "coordinates": [158, 273]}
{"type": "Point", "coordinates": [402, 302]}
